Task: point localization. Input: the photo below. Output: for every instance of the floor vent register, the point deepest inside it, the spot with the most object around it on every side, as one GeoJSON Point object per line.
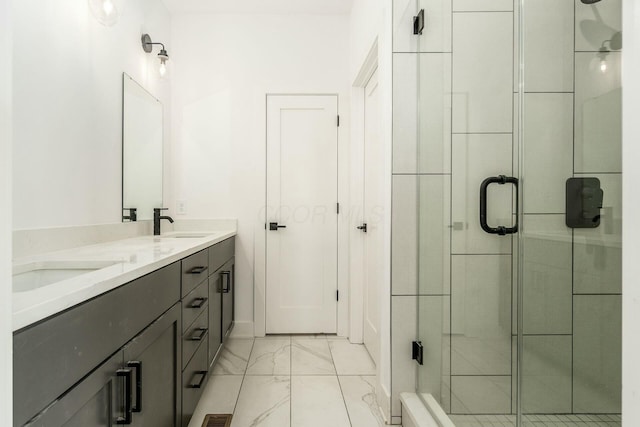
{"type": "Point", "coordinates": [217, 420]}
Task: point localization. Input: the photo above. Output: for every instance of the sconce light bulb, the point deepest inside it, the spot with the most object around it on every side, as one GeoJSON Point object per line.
{"type": "Point", "coordinates": [163, 68]}
{"type": "Point", "coordinates": [107, 6]}
{"type": "Point", "coordinates": [603, 65]}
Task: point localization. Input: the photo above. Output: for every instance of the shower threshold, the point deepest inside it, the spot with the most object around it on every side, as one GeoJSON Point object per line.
{"type": "Point", "coordinates": [540, 420]}
{"type": "Point", "coordinates": [424, 411]}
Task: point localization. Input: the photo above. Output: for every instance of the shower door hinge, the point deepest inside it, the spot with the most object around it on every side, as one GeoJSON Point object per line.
{"type": "Point", "coordinates": [337, 295]}
{"type": "Point", "coordinates": [338, 121]}
{"type": "Point", "coordinates": [418, 23]}
{"type": "Point", "coordinates": [417, 351]}
{"type": "Point", "coordinates": [338, 208]}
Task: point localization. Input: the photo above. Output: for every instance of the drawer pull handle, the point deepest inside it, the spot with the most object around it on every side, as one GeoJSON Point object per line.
{"type": "Point", "coordinates": [198, 384]}
{"type": "Point", "coordinates": [198, 334]}
{"type": "Point", "coordinates": [128, 413]}
{"type": "Point", "coordinates": [137, 365]}
{"type": "Point", "coordinates": [198, 302]}
{"type": "Point", "coordinates": [198, 270]}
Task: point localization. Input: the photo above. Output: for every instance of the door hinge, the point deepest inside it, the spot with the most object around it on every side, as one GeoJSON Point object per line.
{"type": "Point", "coordinates": [337, 295]}
{"type": "Point", "coordinates": [417, 351]}
{"type": "Point", "coordinates": [418, 23]}
{"type": "Point", "coordinates": [337, 208]}
{"type": "Point", "coordinates": [338, 121]}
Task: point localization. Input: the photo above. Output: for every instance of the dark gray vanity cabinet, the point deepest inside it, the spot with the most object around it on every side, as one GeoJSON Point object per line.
{"type": "Point", "coordinates": [137, 355]}
{"type": "Point", "coordinates": [136, 386]}
{"type": "Point", "coordinates": [80, 367]}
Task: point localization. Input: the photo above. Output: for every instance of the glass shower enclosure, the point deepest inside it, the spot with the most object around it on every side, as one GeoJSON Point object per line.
{"type": "Point", "coordinates": [507, 156]}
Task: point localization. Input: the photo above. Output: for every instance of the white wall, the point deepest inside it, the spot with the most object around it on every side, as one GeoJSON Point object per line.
{"type": "Point", "coordinates": [366, 23]}
{"type": "Point", "coordinates": [6, 391]}
{"type": "Point", "coordinates": [224, 65]}
{"type": "Point", "coordinates": [67, 117]}
{"type": "Point", "coordinates": [631, 227]}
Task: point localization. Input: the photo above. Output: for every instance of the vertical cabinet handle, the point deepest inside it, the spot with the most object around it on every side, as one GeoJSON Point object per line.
{"type": "Point", "coordinates": [126, 374]}
{"type": "Point", "coordinates": [226, 288]}
{"type": "Point", "coordinates": [500, 230]}
{"type": "Point", "coordinates": [137, 365]}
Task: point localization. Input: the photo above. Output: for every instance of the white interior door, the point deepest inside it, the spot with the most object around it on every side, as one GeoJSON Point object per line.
{"type": "Point", "coordinates": [302, 196]}
{"type": "Point", "coordinates": [373, 217]}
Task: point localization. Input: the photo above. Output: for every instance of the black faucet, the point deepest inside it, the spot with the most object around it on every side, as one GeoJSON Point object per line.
{"type": "Point", "coordinates": [157, 218]}
{"type": "Point", "coordinates": [133, 214]}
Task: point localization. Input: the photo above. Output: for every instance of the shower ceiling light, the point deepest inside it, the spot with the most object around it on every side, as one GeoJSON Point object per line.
{"type": "Point", "coordinates": [106, 12]}
{"type": "Point", "coordinates": [163, 56]}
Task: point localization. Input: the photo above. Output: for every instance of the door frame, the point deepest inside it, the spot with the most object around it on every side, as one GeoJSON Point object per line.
{"type": "Point", "coordinates": [356, 258]}
{"type": "Point", "coordinates": [260, 234]}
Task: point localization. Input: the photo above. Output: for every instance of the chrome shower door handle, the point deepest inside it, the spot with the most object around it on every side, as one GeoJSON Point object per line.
{"type": "Point", "coordinates": [500, 230]}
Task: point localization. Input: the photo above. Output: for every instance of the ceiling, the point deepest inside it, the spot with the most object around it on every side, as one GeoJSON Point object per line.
{"type": "Point", "coordinates": [276, 7]}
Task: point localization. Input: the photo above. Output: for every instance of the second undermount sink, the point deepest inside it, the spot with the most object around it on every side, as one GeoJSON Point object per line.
{"type": "Point", "coordinates": [40, 274]}
{"type": "Point", "coordinates": [186, 235]}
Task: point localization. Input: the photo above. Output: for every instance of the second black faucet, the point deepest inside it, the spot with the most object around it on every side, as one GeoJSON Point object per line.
{"type": "Point", "coordinates": [156, 220]}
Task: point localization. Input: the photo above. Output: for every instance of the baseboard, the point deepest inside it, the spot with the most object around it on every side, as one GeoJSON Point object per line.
{"type": "Point", "coordinates": [384, 400]}
{"type": "Point", "coordinates": [242, 330]}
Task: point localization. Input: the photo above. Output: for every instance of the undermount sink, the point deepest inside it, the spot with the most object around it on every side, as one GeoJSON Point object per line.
{"type": "Point", "coordinates": [186, 235]}
{"type": "Point", "coordinates": [36, 275]}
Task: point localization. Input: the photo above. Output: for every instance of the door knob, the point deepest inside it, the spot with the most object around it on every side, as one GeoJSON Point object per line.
{"type": "Point", "coordinates": [363, 227]}
{"type": "Point", "coordinates": [273, 226]}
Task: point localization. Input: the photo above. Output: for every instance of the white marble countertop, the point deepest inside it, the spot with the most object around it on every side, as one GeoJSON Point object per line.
{"type": "Point", "coordinates": [131, 258]}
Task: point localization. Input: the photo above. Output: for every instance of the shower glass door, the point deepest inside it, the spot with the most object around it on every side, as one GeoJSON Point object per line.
{"type": "Point", "coordinates": [520, 327]}
{"type": "Point", "coordinates": [570, 331]}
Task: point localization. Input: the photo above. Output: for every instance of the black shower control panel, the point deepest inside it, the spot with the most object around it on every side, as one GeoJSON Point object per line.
{"type": "Point", "coordinates": [584, 201]}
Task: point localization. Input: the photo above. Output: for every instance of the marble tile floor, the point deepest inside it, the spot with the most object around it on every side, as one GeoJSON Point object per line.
{"type": "Point", "coordinates": [578, 420]}
{"type": "Point", "coordinates": [292, 381]}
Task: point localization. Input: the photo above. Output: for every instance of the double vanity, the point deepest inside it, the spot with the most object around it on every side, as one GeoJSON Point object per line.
{"type": "Point", "coordinates": [122, 332]}
{"type": "Point", "coordinates": [113, 325]}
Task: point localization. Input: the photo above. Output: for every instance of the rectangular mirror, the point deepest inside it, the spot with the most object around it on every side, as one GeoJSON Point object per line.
{"type": "Point", "coordinates": [141, 151]}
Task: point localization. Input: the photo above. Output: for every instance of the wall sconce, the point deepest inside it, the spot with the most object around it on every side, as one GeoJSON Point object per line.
{"type": "Point", "coordinates": [106, 12]}
{"type": "Point", "coordinates": [163, 56]}
{"type": "Point", "coordinates": [614, 44]}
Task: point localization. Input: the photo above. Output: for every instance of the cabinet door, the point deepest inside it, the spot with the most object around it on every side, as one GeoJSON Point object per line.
{"type": "Point", "coordinates": [228, 292]}
{"type": "Point", "coordinates": [215, 314]}
{"type": "Point", "coordinates": [153, 358]}
{"type": "Point", "coordinates": [96, 401]}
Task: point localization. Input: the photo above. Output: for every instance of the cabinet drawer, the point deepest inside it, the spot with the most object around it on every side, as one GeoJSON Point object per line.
{"type": "Point", "coordinates": [195, 269]}
{"type": "Point", "coordinates": [194, 379]}
{"type": "Point", "coordinates": [221, 253]}
{"type": "Point", "coordinates": [194, 304]}
{"type": "Point", "coordinates": [196, 334]}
